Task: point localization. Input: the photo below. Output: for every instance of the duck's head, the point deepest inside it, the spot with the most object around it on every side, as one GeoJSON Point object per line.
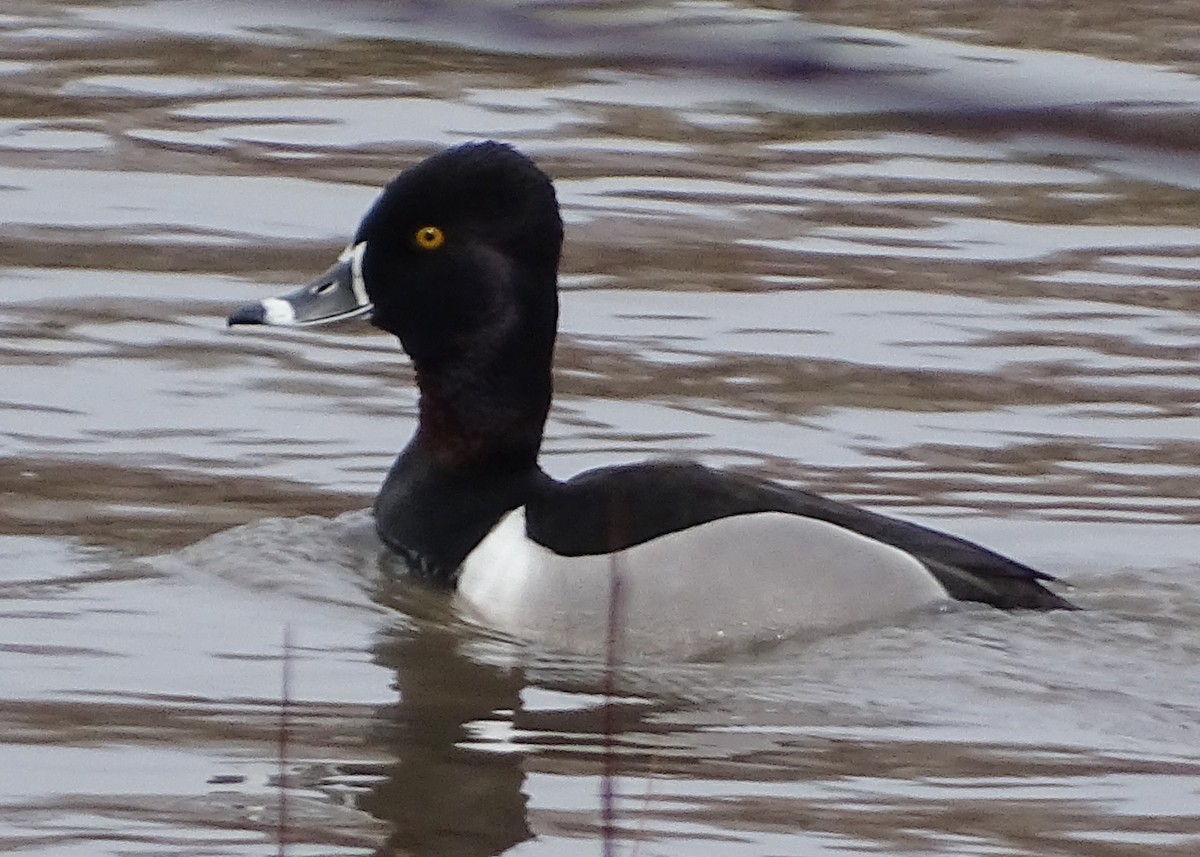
{"type": "Point", "coordinates": [458, 257]}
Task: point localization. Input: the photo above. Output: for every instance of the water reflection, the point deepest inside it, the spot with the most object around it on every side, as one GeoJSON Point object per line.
{"type": "Point", "coordinates": [769, 744]}
{"type": "Point", "coordinates": [444, 795]}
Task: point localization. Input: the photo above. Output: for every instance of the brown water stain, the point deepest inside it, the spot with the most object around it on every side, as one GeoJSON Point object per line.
{"type": "Point", "coordinates": [144, 510]}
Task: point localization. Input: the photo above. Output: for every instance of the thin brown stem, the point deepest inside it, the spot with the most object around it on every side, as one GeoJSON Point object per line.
{"type": "Point", "coordinates": [284, 731]}
{"type": "Point", "coordinates": [608, 815]}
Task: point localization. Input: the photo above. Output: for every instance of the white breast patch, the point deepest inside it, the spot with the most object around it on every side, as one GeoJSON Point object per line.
{"type": "Point", "coordinates": [729, 582]}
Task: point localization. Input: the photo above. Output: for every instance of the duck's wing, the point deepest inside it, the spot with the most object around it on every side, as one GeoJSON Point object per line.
{"type": "Point", "coordinates": [615, 508]}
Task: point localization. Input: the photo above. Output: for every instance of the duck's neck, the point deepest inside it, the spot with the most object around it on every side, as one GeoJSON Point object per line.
{"type": "Point", "coordinates": [472, 459]}
{"type": "Point", "coordinates": [488, 417]}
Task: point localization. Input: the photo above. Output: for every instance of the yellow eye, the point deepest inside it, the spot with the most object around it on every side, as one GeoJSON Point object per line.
{"type": "Point", "coordinates": [429, 238]}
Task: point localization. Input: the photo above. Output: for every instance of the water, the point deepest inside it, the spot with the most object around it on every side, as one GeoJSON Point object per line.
{"type": "Point", "coordinates": [941, 263]}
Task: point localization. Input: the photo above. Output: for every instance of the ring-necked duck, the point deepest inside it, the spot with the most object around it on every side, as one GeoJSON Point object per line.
{"type": "Point", "coordinates": [459, 259]}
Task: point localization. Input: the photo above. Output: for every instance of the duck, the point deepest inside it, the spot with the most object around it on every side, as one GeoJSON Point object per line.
{"type": "Point", "coordinates": [458, 258]}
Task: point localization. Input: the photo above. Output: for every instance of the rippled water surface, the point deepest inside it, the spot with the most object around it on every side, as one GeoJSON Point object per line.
{"type": "Point", "coordinates": [941, 261]}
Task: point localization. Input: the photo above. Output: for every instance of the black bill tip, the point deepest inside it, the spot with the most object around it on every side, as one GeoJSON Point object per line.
{"type": "Point", "coordinates": [254, 313]}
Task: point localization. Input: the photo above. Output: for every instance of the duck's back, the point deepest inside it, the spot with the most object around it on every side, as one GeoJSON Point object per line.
{"type": "Point", "coordinates": [615, 507]}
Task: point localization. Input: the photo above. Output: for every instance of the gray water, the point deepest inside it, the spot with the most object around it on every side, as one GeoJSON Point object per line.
{"type": "Point", "coordinates": [940, 261]}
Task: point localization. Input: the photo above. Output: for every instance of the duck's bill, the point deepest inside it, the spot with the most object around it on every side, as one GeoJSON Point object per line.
{"type": "Point", "coordinates": [337, 294]}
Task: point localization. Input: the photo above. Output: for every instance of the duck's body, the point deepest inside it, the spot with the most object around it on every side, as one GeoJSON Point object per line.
{"type": "Point", "coordinates": [458, 258]}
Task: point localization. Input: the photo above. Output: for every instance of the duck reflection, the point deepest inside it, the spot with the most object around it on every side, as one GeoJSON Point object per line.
{"type": "Point", "coordinates": [443, 795]}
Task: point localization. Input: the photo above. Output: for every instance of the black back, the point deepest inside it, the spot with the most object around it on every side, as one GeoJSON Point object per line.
{"type": "Point", "coordinates": [617, 507]}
